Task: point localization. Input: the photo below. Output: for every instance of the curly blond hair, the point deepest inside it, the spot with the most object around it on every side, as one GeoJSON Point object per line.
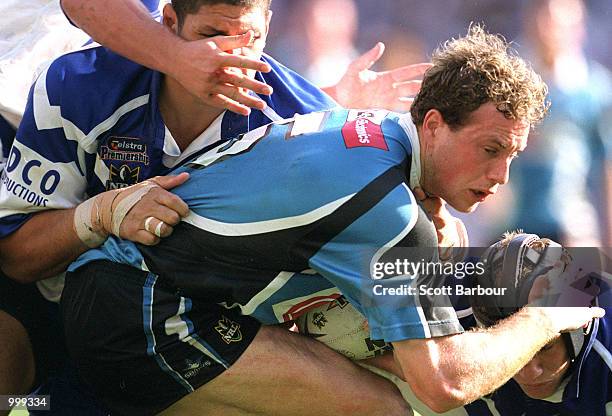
{"type": "Point", "coordinates": [476, 69]}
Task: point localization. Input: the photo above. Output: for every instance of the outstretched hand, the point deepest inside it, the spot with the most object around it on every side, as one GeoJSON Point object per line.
{"type": "Point", "coordinates": [209, 70]}
{"type": "Point", "coordinates": [360, 87]}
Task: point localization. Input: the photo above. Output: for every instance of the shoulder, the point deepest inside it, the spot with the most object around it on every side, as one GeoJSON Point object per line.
{"type": "Point", "coordinates": [92, 79]}
{"type": "Point", "coordinates": [84, 88]}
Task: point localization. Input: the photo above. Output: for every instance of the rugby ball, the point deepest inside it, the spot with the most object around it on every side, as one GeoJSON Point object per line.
{"type": "Point", "coordinates": [342, 328]}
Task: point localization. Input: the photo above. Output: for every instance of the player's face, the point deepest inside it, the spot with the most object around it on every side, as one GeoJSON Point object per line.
{"type": "Point", "coordinates": [467, 165]}
{"type": "Point", "coordinates": [543, 375]}
{"type": "Point", "coordinates": [224, 20]}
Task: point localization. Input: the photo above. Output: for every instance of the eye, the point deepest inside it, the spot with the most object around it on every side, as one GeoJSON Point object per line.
{"type": "Point", "coordinates": [548, 346]}
{"type": "Point", "coordinates": [491, 151]}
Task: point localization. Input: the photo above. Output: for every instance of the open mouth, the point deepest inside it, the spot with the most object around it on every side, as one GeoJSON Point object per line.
{"type": "Point", "coordinates": [480, 195]}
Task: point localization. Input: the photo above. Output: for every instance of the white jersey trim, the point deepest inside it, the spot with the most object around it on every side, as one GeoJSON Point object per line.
{"type": "Point", "coordinates": [47, 116]}
{"type": "Point", "coordinates": [261, 227]}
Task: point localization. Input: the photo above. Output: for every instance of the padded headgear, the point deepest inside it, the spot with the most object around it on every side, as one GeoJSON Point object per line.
{"type": "Point", "coordinates": [503, 267]}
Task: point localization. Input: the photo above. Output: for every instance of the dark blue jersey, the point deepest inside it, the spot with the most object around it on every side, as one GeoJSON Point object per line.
{"type": "Point", "coordinates": [586, 392]}
{"type": "Point", "coordinates": [92, 123]}
{"type": "Point", "coordinates": [292, 214]}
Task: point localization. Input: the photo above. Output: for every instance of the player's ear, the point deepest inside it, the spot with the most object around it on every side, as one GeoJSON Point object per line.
{"type": "Point", "coordinates": [268, 19]}
{"type": "Point", "coordinates": [432, 121]}
{"type": "Point", "coordinates": [170, 19]}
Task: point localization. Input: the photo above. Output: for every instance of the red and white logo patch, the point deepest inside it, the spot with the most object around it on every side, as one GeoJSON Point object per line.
{"type": "Point", "coordinates": [363, 129]}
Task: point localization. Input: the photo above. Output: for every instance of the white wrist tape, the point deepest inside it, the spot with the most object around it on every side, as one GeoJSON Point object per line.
{"type": "Point", "coordinates": [125, 205]}
{"type": "Point", "coordinates": [89, 234]}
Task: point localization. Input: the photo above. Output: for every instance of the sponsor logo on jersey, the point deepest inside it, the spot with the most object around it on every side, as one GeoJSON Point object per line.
{"type": "Point", "coordinates": [124, 149]}
{"type": "Point", "coordinates": [363, 129]}
{"type": "Point", "coordinates": [121, 177]}
{"type": "Point", "coordinates": [229, 330]}
{"type": "Point", "coordinates": [30, 180]}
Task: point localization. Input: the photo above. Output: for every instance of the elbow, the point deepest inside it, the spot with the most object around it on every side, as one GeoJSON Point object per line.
{"type": "Point", "coordinates": [17, 274]}
{"type": "Point", "coordinates": [441, 395]}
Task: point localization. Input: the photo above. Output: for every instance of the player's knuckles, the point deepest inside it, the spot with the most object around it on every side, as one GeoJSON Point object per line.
{"type": "Point", "coordinates": [130, 230]}
{"type": "Point", "coordinates": [166, 230]}
{"type": "Point", "coordinates": [172, 201]}
{"type": "Point", "coordinates": [170, 217]}
{"type": "Point", "coordinates": [149, 239]}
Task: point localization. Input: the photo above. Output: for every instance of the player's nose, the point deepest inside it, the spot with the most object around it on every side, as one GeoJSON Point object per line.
{"type": "Point", "coordinates": [530, 372]}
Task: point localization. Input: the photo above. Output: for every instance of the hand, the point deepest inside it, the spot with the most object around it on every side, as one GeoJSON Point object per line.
{"type": "Point", "coordinates": [142, 213]}
{"type": "Point", "coordinates": [452, 234]}
{"type": "Point", "coordinates": [219, 78]}
{"type": "Point", "coordinates": [391, 90]}
{"type": "Point", "coordinates": [567, 319]}
{"type": "Point", "coordinates": [572, 284]}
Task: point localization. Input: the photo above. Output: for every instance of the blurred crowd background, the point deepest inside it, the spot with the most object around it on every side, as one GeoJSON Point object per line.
{"type": "Point", "coordinates": [561, 187]}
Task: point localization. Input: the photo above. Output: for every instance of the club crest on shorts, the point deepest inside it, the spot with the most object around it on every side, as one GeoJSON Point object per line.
{"type": "Point", "coordinates": [364, 129]}
{"type": "Point", "coordinates": [229, 330]}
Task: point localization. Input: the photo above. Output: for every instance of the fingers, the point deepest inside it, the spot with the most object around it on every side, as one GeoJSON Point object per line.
{"type": "Point", "coordinates": [242, 62]}
{"type": "Point", "coordinates": [146, 238]}
{"type": "Point", "coordinates": [419, 193]}
{"type": "Point", "coordinates": [597, 312]}
{"type": "Point", "coordinates": [240, 96]}
{"type": "Point", "coordinates": [239, 79]}
{"type": "Point", "coordinates": [407, 88]}
{"type": "Point", "coordinates": [409, 72]}
{"type": "Point", "coordinates": [173, 203]}
{"type": "Point", "coordinates": [402, 104]}
{"type": "Point", "coordinates": [170, 181]}
{"type": "Point", "coordinates": [368, 59]}
{"type": "Point", "coordinates": [155, 212]}
{"type": "Point", "coordinates": [157, 227]}
{"type": "Point", "coordinates": [228, 43]}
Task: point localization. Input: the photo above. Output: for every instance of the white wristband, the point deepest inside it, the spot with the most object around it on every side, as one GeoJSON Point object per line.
{"type": "Point", "coordinates": [83, 224]}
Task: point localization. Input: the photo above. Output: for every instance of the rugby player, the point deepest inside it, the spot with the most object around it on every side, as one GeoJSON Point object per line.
{"type": "Point", "coordinates": [98, 123]}
{"type": "Point", "coordinates": [125, 27]}
{"type": "Point", "coordinates": [281, 217]}
{"type": "Point", "coordinates": [572, 373]}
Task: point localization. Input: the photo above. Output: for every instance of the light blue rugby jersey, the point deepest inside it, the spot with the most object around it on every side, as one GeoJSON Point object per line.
{"type": "Point", "coordinates": [92, 124]}
{"type": "Point", "coordinates": [286, 215]}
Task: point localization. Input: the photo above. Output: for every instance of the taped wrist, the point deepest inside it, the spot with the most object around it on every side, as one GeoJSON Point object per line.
{"type": "Point", "coordinates": [115, 205]}
{"type": "Point", "coordinates": [87, 223]}
{"type": "Point", "coordinates": [102, 215]}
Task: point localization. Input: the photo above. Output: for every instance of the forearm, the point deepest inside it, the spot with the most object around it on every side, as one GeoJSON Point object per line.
{"type": "Point", "coordinates": [468, 366]}
{"type": "Point", "coordinates": [43, 247]}
{"type": "Point", "coordinates": [126, 27]}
